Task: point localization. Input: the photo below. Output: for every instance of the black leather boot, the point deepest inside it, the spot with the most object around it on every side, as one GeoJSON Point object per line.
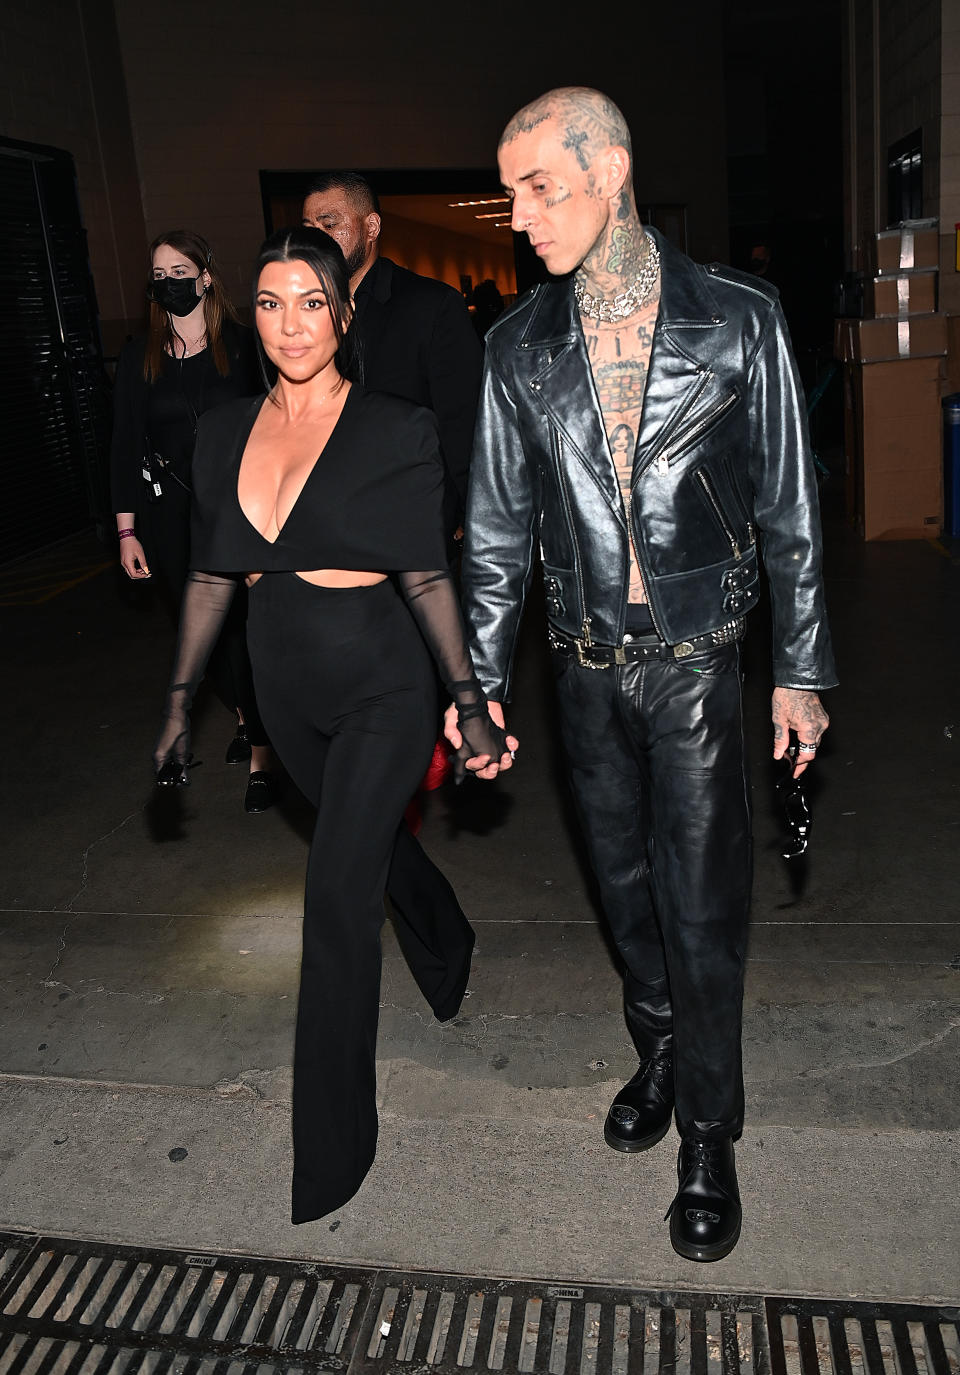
{"type": "Point", "coordinates": [238, 751]}
{"type": "Point", "coordinates": [705, 1216]}
{"type": "Point", "coordinates": [641, 1113]}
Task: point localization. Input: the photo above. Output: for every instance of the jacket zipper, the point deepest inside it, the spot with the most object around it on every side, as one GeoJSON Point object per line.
{"type": "Point", "coordinates": [573, 534]}
{"type": "Point", "coordinates": [681, 413]}
{"type": "Point", "coordinates": [690, 436]}
{"type": "Point", "coordinates": [718, 511]}
{"type": "Point", "coordinates": [751, 531]}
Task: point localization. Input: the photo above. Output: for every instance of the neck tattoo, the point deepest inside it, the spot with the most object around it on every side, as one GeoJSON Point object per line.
{"type": "Point", "coordinates": [627, 302]}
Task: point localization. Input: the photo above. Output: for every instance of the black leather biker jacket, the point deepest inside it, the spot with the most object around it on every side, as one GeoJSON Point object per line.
{"type": "Point", "coordinates": [722, 469]}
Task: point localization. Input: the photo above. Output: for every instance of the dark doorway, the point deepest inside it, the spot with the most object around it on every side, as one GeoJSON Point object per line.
{"type": "Point", "coordinates": [449, 224]}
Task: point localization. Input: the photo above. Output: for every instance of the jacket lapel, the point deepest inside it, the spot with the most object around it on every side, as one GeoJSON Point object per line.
{"type": "Point", "coordinates": [679, 380]}
{"type": "Point", "coordinates": [561, 381]}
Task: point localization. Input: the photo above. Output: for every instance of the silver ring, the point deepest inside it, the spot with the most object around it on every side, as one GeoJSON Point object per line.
{"type": "Point", "coordinates": [807, 749]}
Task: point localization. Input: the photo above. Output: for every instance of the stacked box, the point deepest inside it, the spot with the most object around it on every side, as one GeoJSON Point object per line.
{"type": "Point", "coordinates": [888, 341]}
{"type": "Point", "coordinates": [893, 444]}
{"type": "Point", "coordinates": [906, 293]}
{"type": "Point", "coordinates": [893, 362]}
{"type": "Point", "coordinates": [913, 247]}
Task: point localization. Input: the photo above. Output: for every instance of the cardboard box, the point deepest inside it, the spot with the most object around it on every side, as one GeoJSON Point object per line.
{"type": "Point", "coordinates": [907, 249]}
{"type": "Point", "coordinates": [910, 293]}
{"type": "Point", "coordinates": [894, 448]}
{"type": "Point", "coordinates": [885, 340]}
{"type": "Point", "coordinates": [903, 505]}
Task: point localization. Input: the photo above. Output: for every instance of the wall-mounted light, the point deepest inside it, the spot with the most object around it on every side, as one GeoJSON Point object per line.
{"type": "Point", "coordinates": [492, 200]}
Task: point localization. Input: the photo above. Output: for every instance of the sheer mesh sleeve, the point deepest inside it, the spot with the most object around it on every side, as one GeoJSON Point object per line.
{"type": "Point", "coordinates": [433, 602]}
{"type": "Point", "coordinates": [206, 601]}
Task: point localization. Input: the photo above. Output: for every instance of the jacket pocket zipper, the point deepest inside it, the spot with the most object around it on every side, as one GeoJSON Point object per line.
{"type": "Point", "coordinates": [561, 482]}
{"type": "Point", "coordinates": [721, 515]}
{"type": "Point", "coordinates": [688, 437]}
{"type": "Point", "coordinates": [741, 507]}
{"type": "Point", "coordinates": [691, 400]}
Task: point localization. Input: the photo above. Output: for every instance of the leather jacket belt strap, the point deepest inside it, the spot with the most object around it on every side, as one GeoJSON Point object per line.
{"type": "Point", "coordinates": [637, 648]}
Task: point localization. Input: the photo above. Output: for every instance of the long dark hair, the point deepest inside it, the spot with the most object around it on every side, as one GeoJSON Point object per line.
{"type": "Point", "coordinates": [217, 306]}
{"type": "Point", "coordinates": [322, 254]}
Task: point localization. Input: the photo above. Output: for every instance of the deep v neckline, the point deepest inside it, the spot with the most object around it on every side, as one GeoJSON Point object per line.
{"type": "Point", "coordinates": [306, 481]}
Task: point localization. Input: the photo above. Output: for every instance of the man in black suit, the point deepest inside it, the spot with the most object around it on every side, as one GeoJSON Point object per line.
{"type": "Point", "coordinates": [417, 336]}
{"type": "Point", "coordinates": [417, 342]}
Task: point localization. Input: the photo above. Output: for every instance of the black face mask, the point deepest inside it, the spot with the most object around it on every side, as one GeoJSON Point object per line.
{"type": "Point", "coordinates": [176, 295]}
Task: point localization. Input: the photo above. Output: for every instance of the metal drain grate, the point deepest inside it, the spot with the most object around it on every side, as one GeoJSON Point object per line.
{"type": "Point", "coordinates": [72, 1308]}
{"type": "Point", "coordinates": [808, 1337]}
{"type": "Point", "coordinates": [13, 1247]}
{"type": "Point", "coordinates": [78, 1308]}
{"type": "Point", "coordinates": [446, 1324]}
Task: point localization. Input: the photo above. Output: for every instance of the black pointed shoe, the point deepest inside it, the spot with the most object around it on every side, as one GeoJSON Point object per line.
{"type": "Point", "coordinates": [238, 751]}
{"type": "Point", "coordinates": [641, 1113]}
{"type": "Point", "coordinates": [261, 791]}
{"type": "Point", "coordinates": [705, 1216]}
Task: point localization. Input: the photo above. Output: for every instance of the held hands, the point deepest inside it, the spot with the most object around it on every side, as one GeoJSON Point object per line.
{"type": "Point", "coordinates": [483, 738]}
{"type": "Point", "coordinates": [799, 710]}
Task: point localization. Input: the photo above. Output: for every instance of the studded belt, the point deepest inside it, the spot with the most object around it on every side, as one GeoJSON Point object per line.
{"type": "Point", "coordinates": [637, 648]}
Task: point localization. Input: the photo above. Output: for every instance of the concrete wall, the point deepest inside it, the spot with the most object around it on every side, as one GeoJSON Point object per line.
{"type": "Point", "coordinates": [949, 156]}
{"type": "Point", "coordinates": [909, 34]}
{"type": "Point", "coordinates": [171, 114]}
{"type": "Point", "coordinates": [893, 67]}
{"type": "Point", "coordinates": [63, 87]}
{"type": "Point", "coordinates": [308, 84]}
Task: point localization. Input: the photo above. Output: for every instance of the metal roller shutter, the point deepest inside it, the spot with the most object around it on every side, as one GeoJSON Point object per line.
{"type": "Point", "coordinates": [53, 394]}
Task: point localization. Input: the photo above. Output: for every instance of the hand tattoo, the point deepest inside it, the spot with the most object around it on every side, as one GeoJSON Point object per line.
{"type": "Point", "coordinates": [799, 710]}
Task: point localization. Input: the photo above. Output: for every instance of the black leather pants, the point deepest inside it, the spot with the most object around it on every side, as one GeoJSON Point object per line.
{"type": "Point", "coordinates": [656, 763]}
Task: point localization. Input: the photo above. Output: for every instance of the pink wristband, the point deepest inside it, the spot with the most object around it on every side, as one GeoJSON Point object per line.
{"type": "Point", "coordinates": [125, 534]}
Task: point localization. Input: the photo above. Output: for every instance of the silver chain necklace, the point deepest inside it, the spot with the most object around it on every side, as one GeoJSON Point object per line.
{"type": "Point", "coordinates": [635, 296]}
{"type": "Point", "coordinates": [190, 349]}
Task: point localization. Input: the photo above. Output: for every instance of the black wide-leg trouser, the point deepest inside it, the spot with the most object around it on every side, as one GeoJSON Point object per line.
{"type": "Point", "coordinates": [656, 761]}
{"type": "Point", "coordinates": [347, 692]}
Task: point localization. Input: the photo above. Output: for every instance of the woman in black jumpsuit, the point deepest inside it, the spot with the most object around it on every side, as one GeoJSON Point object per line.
{"type": "Point", "coordinates": [315, 493]}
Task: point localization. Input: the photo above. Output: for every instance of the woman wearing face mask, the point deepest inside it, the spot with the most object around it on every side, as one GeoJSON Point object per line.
{"type": "Point", "coordinates": [316, 492]}
{"type": "Point", "coordinates": [196, 355]}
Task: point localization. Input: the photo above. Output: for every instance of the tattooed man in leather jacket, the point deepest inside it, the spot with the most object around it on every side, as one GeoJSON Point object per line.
{"type": "Point", "coordinates": [641, 421]}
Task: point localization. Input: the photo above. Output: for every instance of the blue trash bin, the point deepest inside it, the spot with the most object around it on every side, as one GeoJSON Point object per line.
{"type": "Point", "coordinates": [951, 464]}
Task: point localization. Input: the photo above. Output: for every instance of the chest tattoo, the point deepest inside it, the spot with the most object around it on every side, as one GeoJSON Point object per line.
{"type": "Point", "coordinates": [619, 356]}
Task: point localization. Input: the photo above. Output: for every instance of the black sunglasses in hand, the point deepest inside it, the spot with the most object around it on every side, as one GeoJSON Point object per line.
{"type": "Point", "coordinates": [796, 809]}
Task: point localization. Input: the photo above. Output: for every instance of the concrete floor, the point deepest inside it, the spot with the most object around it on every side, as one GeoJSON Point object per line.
{"type": "Point", "coordinates": [149, 948]}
